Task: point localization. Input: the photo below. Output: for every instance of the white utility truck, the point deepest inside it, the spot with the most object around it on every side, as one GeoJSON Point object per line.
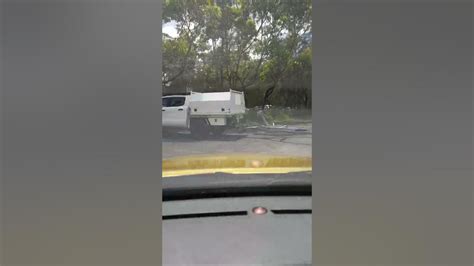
{"type": "Point", "coordinates": [202, 113]}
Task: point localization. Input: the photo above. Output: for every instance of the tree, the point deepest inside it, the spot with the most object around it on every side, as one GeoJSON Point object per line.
{"type": "Point", "coordinates": [236, 44]}
{"type": "Point", "coordinates": [231, 31]}
{"type": "Point", "coordinates": [294, 21]}
{"type": "Point", "coordinates": [179, 54]}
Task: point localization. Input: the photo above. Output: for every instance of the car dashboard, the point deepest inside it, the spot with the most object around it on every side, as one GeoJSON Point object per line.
{"type": "Point", "coordinates": [225, 227]}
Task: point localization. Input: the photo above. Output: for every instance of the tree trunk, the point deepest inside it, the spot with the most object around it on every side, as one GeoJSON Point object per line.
{"type": "Point", "coordinates": [268, 93]}
{"type": "Point", "coordinates": [221, 75]}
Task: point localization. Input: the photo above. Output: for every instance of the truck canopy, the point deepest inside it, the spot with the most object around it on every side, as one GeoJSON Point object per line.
{"type": "Point", "coordinates": [217, 103]}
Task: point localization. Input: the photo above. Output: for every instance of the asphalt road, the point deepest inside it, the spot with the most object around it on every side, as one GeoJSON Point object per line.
{"type": "Point", "coordinates": [294, 140]}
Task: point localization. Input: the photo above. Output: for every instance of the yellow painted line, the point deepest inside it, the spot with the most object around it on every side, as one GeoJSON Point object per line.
{"type": "Point", "coordinates": [236, 171]}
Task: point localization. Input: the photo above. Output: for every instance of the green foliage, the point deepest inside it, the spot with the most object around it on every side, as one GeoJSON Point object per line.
{"type": "Point", "coordinates": [245, 45]}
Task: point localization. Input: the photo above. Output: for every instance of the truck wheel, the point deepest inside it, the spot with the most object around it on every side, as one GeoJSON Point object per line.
{"type": "Point", "coordinates": [199, 128]}
{"type": "Point", "coordinates": [218, 130]}
{"type": "Point", "coordinates": [165, 133]}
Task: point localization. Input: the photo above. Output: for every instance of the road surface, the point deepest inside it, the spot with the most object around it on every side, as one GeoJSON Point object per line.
{"type": "Point", "coordinates": [294, 140]}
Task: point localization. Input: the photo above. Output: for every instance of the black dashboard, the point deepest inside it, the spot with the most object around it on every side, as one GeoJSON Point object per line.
{"type": "Point", "coordinates": [265, 219]}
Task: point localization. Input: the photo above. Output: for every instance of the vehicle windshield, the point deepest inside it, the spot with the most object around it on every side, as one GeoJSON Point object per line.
{"type": "Point", "coordinates": [173, 101]}
{"type": "Point", "coordinates": [246, 68]}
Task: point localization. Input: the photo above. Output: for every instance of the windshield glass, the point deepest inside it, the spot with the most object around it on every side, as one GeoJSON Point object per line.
{"type": "Point", "coordinates": [173, 101]}
{"type": "Point", "coordinates": [247, 68]}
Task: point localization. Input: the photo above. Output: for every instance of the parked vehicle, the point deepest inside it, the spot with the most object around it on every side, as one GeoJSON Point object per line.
{"type": "Point", "coordinates": [202, 113]}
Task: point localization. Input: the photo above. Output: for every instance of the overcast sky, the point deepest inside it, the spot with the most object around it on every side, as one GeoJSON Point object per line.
{"type": "Point", "coordinates": [170, 29]}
